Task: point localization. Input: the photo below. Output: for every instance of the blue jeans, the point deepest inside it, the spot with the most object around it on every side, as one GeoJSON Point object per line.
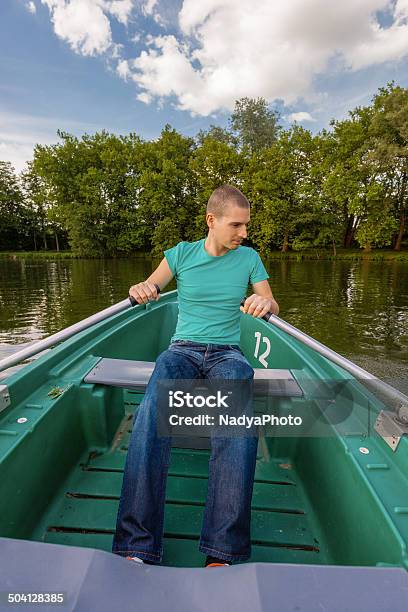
{"type": "Point", "coordinates": [226, 525]}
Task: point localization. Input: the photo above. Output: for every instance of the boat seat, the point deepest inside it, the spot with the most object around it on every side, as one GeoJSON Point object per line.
{"type": "Point", "coordinates": [136, 374]}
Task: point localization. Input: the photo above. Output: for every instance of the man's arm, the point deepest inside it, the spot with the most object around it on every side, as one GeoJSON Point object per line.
{"type": "Point", "coordinates": [261, 301]}
{"type": "Point", "coordinates": [146, 291]}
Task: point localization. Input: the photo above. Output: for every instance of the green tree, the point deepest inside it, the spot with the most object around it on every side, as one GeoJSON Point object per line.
{"type": "Point", "coordinates": [354, 183]}
{"type": "Point", "coordinates": [389, 142]}
{"type": "Point", "coordinates": [324, 225]}
{"type": "Point", "coordinates": [39, 202]}
{"type": "Point", "coordinates": [277, 180]}
{"type": "Point", "coordinates": [219, 134]}
{"type": "Point", "coordinates": [166, 203]}
{"type": "Point", "coordinates": [15, 219]}
{"type": "Point", "coordinates": [110, 195]}
{"type": "Point", "coordinates": [255, 125]}
{"type": "Point", "coordinates": [212, 164]}
{"type": "Point", "coordinates": [91, 184]}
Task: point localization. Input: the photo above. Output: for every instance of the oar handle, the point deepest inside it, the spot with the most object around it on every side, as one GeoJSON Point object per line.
{"type": "Point", "coordinates": [266, 317]}
{"type": "Point", "coordinates": [135, 302]}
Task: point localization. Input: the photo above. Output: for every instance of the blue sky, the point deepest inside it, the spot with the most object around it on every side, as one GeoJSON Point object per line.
{"type": "Point", "coordinates": [135, 65]}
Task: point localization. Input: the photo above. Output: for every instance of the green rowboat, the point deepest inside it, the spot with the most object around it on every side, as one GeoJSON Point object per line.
{"type": "Point", "coordinates": [330, 504]}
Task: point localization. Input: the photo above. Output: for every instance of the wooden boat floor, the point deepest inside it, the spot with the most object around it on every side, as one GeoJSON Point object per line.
{"type": "Point", "coordinates": [83, 511]}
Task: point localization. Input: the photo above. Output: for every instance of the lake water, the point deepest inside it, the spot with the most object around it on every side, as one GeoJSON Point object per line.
{"type": "Point", "coordinates": [359, 309]}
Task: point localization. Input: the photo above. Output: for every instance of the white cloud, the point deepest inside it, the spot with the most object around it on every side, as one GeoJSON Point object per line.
{"type": "Point", "coordinates": [123, 69]}
{"type": "Point", "coordinates": [81, 23]}
{"type": "Point", "coordinates": [144, 97]}
{"type": "Point", "coordinates": [31, 7]}
{"type": "Point", "coordinates": [121, 9]}
{"type": "Point", "coordinates": [229, 49]}
{"type": "Point", "coordinates": [301, 116]}
{"type": "Point", "coordinates": [155, 73]}
{"type": "Point", "coordinates": [85, 25]}
{"type": "Point", "coordinates": [382, 44]}
{"type": "Point", "coordinates": [148, 7]}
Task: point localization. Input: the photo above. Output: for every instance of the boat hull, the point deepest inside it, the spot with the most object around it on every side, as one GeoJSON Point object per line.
{"type": "Point", "coordinates": [319, 500]}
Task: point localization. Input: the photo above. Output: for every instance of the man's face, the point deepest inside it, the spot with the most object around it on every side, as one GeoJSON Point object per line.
{"type": "Point", "coordinates": [231, 229]}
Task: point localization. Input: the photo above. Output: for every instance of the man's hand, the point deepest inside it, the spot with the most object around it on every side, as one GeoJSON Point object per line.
{"type": "Point", "coordinates": [144, 292]}
{"type": "Point", "coordinates": [258, 306]}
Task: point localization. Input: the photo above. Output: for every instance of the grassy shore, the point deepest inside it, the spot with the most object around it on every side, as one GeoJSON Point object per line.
{"type": "Point", "coordinates": [341, 254]}
{"type": "Point", "coordinates": [315, 254]}
{"type": "Point", "coordinates": [59, 255]}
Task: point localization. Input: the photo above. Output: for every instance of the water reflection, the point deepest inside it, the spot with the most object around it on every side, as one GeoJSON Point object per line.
{"type": "Point", "coordinates": [359, 309]}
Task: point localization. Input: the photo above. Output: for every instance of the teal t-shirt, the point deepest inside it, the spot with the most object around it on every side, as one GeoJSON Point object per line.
{"type": "Point", "coordinates": [210, 290]}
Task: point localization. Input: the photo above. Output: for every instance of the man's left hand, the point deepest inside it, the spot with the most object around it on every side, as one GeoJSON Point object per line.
{"type": "Point", "coordinates": [258, 306]}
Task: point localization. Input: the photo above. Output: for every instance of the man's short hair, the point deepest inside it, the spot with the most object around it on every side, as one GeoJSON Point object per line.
{"type": "Point", "coordinates": [222, 197]}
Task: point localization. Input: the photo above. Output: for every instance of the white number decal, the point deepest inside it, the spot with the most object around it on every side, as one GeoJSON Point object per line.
{"type": "Point", "coordinates": [258, 339]}
{"type": "Point", "coordinates": [262, 358]}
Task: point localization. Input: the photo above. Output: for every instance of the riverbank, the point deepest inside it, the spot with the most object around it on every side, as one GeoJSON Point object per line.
{"type": "Point", "coordinates": [62, 255]}
{"type": "Point", "coordinates": [342, 254]}
{"type": "Point", "coordinates": [315, 254]}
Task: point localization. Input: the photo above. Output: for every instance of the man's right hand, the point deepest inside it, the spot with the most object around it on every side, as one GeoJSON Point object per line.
{"type": "Point", "coordinates": [144, 292]}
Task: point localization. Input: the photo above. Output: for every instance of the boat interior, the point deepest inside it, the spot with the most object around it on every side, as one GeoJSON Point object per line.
{"type": "Point", "coordinates": [330, 499]}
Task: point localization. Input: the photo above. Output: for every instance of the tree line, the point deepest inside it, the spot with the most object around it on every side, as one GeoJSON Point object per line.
{"type": "Point", "coordinates": [110, 195]}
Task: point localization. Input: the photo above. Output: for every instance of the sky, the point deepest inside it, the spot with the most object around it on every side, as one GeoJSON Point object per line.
{"type": "Point", "coordinates": [134, 65]}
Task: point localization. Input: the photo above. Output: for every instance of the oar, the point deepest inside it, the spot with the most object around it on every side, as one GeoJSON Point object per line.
{"type": "Point", "coordinates": [379, 385]}
{"type": "Point", "coordinates": [66, 333]}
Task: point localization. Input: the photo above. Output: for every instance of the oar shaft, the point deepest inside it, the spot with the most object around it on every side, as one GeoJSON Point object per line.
{"type": "Point", "coordinates": [66, 333]}
{"type": "Point", "coordinates": [375, 383]}
{"type": "Point", "coordinates": [62, 335]}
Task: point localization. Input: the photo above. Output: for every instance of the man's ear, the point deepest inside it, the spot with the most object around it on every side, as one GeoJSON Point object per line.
{"type": "Point", "coordinates": [210, 220]}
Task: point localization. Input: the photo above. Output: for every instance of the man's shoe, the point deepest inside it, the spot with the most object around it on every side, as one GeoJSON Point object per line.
{"type": "Point", "coordinates": [215, 562]}
{"type": "Point", "coordinates": [135, 559]}
{"type": "Point", "coordinates": [138, 560]}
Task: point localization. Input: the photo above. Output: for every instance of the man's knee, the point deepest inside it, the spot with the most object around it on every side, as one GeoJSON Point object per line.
{"type": "Point", "coordinates": [164, 359]}
{"type": "Point", "coordinates": [241, 369]}
{"type": "Point", "coordinates": [248, 371]}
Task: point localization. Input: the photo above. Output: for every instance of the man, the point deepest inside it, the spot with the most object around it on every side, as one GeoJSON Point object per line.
{"type": "Point", "coordinates": [212, 277]}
